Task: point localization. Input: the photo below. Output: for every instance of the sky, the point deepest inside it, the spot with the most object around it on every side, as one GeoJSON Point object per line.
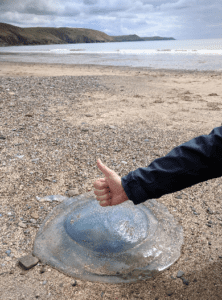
{"type": "Point", "coordinates": [181, 19]}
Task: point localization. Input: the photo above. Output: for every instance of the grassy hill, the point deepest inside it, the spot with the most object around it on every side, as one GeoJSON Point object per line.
{"type": "Point", "coordinates": [14, 36]}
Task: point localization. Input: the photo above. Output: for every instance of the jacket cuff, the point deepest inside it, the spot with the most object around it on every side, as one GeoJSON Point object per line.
{"type": "Point", "coordinates": [129, 184]}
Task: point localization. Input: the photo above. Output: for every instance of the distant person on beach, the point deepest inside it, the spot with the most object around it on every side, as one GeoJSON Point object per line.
{"type": "Point", "coordinates": [195, 161]}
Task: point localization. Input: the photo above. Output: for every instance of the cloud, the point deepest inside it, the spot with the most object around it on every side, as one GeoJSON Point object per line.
{"type": "Point", "coordinates": [182, 19]}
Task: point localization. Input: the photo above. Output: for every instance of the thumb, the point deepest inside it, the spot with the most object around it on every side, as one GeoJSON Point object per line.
{"type": "Point", "coordinates": [104, 169]}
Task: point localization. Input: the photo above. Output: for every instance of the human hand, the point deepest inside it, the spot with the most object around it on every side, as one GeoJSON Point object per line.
{"type": "Point", "coordinates": [109, 190]}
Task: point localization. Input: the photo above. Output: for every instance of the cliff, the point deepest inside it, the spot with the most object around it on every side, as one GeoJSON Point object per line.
{"type": "Point", "coordinates": [14, 36]}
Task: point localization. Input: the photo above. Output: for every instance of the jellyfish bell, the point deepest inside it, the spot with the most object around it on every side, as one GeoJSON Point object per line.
{"type": "Point", "coordinates": [113, 244]}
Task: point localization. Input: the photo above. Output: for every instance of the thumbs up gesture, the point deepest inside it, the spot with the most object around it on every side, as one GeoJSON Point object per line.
{"type": "Point", "coordinates": [109, 190]}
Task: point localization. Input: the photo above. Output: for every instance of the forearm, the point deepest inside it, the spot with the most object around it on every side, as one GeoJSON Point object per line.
{"type": "Point", "coordinates": [195, 161]}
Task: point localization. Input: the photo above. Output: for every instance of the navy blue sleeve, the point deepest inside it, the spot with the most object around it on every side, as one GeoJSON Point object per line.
{"type": "Point", "coordinates": [195, 161]}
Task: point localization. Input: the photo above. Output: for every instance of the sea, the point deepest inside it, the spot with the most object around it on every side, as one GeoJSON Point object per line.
{"type": "Point", "coordinates": [197, 54]}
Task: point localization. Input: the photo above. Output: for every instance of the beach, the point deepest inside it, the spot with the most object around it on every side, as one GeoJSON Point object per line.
{"type": "Point", "coordinates": [57, 120]}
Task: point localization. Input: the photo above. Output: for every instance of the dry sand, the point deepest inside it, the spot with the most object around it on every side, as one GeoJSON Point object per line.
{"type": "Point", "coordinates": [56, 120]}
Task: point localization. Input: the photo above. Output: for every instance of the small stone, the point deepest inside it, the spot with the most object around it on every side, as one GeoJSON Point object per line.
{"type": "Point", "coordinates": [2, 137]}
{"type": "Point", "coordinates": [21, 224]}
{"type": "Point", "coordinates": [8, 252]}
{"type": "Point", "coordinates": [112, 127]}
{"type": "Point", "coordinates": [209, 243]}
{"type": "Point", "coordinates": [48, 179]}
{"type": "Point", "coordinates": [29, 115]}
{"type": "Point", "coordinates": [169, 293]}
{"type": "Point", "coordinates": [74, 283]}
{"type": "Point", "coordinates": [88, 115]}
{"type": "Point", "coordinates": [185, 281]}
{"type": "Point", "coordinates": [180, 274]}
{"type": "Point", "coordinates": [23, 273]}
{"type": "Point", "coordinates": [213, 94]}
{"type": "Point", "coordinates": [72, 193]}
{"type": "Point", "coordinates": [11, 272]}
{"type": "Point", "coordinates": [42, 270]}
{"type": "Point", "coordinates": [28, 261]}
{"type": "Point", "coordinates": [146, 140]}
{"type": "Point", "coordinates": [34, 215]}
{"type": "Point", "coordinates": [209, 211]}
{"type": "Point", "coordinates": [44, 282]}
{"type": "Point", "coordinates": [178, 197]}
{"type": "Point", "coordinates": [33, 221]}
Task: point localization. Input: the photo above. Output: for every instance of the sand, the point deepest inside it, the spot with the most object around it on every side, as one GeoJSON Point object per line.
{"type": "Point", "coordinates": [57, 120]}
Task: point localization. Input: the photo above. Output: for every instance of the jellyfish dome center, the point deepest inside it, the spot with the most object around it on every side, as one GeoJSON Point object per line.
{"type": "Point", "coordinates": [107, 230]}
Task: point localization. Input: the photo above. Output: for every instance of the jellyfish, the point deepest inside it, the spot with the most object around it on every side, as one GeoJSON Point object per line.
{"type": "Point", "coordinates": [112, 244]}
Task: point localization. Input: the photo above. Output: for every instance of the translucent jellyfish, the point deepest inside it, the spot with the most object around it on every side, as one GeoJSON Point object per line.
{"type": "Point", "coordinates": [113, 244]}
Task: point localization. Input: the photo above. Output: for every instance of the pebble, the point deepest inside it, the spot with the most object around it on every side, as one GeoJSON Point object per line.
{"type": "Point", "coordinates": [42, 270]}
{"type": "Point", "coordinates": [213, 94]}
{"type": "Point", "coordinates": [169, 293]}
{"type": "Point", "coordinates": [44, 282]}
{"type": "Point", "coordinates": [72, 193]}
{"type": "Point", "coordinates": [28, 261]}
{"type": "Point", "coordinates": [180, 274]}
{"type": "Point", "coordinates": [34, 215]}
{"type": "Point", "coordinates": [74, 283]}
{"type": "Point", "coordinates": [209, 211]}
{"type": "Point", "coordinates": [8, 252]}
{"type": "Point", "coordinates": [185, 281]}
{"type": "Point", "coordinates": [33, 221]}
{"type": "Point", "coordinates": [23, 273]}
{"type": "Point", "coordinates": [22, 225]}
{"type": "Point", "coordinates": [0, 215]}
{"type": "Point", "coordinates": [48, 179]}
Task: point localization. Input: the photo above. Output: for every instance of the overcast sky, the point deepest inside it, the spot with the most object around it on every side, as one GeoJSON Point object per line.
{"type": "Point", "coordinates": [181, 19]}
